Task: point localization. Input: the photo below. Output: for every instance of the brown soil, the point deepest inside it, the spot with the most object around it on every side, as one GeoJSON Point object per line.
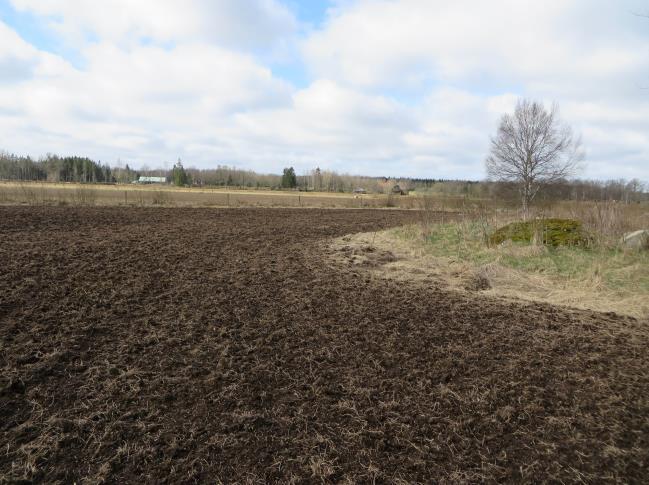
{"type": "Point", "coordinates": [192, 345]}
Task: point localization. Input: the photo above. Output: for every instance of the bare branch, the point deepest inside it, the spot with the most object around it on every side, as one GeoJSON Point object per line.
{"type": "Point", "coordinates": [532, 147]}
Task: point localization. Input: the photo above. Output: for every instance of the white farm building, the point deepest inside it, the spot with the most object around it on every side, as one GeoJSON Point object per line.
{"type": "Point", "coordinates": [151, 180]}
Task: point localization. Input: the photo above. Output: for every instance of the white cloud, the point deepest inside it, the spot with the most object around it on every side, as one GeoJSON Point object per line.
{"type": "Point", "coordinates": [409, 42]}
{"type": "Point", "coordinates": [236, 23]}
{"type": "Point", "coordinates": [19, 60]}
{"type": "Point", "coordinates": [146, 102]}
{"type": "Point", "coordinates": [475, 56]}
{"type": "Point", "coordinates": [330, 123]}
{"type": "Point", "coordinates": [397, 87]}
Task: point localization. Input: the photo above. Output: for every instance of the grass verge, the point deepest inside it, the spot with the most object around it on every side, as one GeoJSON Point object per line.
{"type": "Point", "coordinates": [458, 255]}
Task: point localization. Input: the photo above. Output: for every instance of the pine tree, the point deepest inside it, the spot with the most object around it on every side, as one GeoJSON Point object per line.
{"type": "Point", "coordinates": [289, 180]}
{"type": "Point", "coordinates": [179, 175]}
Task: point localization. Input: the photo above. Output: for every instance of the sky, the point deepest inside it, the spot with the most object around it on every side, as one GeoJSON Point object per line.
{"type": "Point", "coordinates": [375, 87]}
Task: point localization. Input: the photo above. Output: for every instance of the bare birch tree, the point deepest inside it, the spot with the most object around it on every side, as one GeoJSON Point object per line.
{"type": "Point", "coordinates": [532, 148]}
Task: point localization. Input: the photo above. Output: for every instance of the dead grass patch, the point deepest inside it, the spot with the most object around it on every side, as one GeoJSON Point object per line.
{"type": "Point", "coordinates": [46, 193]}
{"type": "Point", "coordinates": [605, 280]}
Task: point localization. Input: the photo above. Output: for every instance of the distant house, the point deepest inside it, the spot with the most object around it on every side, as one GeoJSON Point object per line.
{"type": "Point", "coordinates": [359, 190]}
{"type": "Point", "coordinates": [398, 190]}
{"type": "Point", "coordinates": [151, 180]}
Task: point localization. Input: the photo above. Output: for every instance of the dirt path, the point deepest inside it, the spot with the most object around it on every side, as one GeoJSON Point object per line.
{"type": "Point", "coordinates": [180, 345]}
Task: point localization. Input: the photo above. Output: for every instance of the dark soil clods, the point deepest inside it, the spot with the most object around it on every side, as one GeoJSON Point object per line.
{"type": "Point", "coordinates": [199, 345]}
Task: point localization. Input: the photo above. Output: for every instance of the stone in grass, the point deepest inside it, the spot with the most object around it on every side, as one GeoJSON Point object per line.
{"type": "Point", "coordinates": [636, 240]}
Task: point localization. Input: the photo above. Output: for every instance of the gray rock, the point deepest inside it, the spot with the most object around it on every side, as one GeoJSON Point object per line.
{"type": "Point", "coordinates": [636, 240]}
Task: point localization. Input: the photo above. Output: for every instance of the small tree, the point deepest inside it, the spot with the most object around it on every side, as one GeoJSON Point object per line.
{"type": "Point", "coordinates": [179, 175]}
{"type": "Point", "coordinates": [532, 148]}
{"type": "Point", "coordinates": [289, 180]}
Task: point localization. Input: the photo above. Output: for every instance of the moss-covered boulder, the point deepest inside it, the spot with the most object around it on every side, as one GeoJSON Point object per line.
{"type": "Point", "coordinates": [552, 232]}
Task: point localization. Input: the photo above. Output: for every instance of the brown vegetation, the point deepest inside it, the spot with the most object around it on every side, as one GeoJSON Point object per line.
{"type": "Point", "coordinates": [35, 193]}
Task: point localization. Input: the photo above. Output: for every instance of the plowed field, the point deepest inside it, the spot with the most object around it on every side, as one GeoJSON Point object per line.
{"type": "Point", "coordinates": [198, 345]}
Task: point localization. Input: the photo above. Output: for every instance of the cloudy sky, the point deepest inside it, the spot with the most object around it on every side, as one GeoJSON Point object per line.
{"type": "Point", "coordinates": [376, 87]}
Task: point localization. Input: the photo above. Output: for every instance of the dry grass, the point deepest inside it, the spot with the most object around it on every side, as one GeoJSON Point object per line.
{"type": "Point", "coordinates": [40, 193]}
{"type": "Point", "coordinates": [84, 196]}
{"type": "Point", "coordinates": [457, 254]}
{"type": "Point", "coordinates": [608, 221]}
{"type": "Point", "coordinates": [46, 193]}
{"type": "Point", "coordinates": [161, 197]}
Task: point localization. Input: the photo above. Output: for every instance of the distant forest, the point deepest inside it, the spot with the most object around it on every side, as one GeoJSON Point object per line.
{"type": "Point", "coordinates": [54, 168]}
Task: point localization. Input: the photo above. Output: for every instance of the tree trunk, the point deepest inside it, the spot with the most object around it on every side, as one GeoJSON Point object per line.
{"type": "Point", "coordinates": [525, 199]}
{"type": "Point", "coordinates": [525, 207]}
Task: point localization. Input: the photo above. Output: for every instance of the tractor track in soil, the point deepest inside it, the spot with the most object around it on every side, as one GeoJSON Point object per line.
{"type": "Point", "coordinates": [193, 345]}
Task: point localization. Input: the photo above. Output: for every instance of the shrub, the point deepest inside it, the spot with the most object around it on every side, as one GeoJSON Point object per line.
{"type": "Point", "coordinates": [552, 232]}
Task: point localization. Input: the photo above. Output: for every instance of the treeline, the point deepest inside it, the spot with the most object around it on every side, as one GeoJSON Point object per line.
{"type": "Point", "coordinates": [53, 168]}
{"type": "Point", "coordinates": [82, 169]}
{"type": "Point", "coordinates": [224, 176]}
{"type": "Point", "coordinates": [627, 191]}
{"type": "Point", "coordinates": [312, 180]}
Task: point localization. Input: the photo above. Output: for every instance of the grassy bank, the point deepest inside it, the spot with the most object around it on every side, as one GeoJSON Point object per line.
{"type": "Point", "coordinates": [459, 255]}
{"type": "Point", "coordinates": [600, 267]}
